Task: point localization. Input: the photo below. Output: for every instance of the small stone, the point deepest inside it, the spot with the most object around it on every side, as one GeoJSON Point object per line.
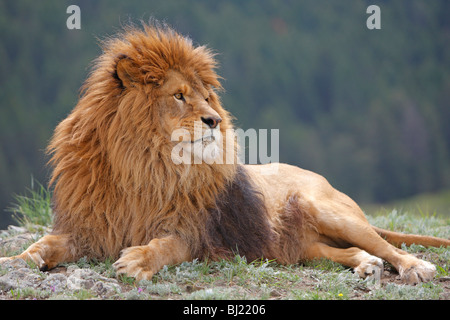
{"type": "Point", "coordinates": [275, 294]}
{"type": "Point", "coordinates": [91, 280]}
{"type": "Point", "coordinates": [17, 242]}
{"type": "Point", "coordinates": [71, 269]}
{"type": "Point", "coordinates": [105, 289]}
{"type": "Point", "coordinates": [19, 279]}
{"type": "Point", "coordinates": [56, 282]}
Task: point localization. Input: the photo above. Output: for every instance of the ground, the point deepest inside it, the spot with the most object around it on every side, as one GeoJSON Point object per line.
{"type": "Point", "coordinates": [236, 279]}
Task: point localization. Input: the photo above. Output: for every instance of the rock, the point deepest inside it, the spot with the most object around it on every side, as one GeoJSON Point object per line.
{"type": "Point", "coordinates": [106, 289]}
{"type": "Point", "coordinates": [89, 279]}
{"type": "Point", "coordinates": [79, 279]}
{"type": "Point", "coordinates": [72, 268]}
{"type": "Point", "coordinates": [56, 282]}
{"type": "Point", "coordinates": [16, 229]}
{"type": "Point", "coordinates": [19, 279]}
{"type": "Point", "coordinates": [62, 282]}
{"type": "Point", "coordinates": [17, 242]}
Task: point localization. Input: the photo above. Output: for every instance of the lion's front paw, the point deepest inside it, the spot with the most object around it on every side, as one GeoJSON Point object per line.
{"type": "Point", "coordinates": [4, 259]}
{"type": "Point", "coordinates": [136, 262]}
{"type": "Point", "coordinates": [370, 267]}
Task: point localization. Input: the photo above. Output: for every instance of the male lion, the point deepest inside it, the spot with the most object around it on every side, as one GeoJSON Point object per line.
{"type": "Point", "coordinates": [117, 192]}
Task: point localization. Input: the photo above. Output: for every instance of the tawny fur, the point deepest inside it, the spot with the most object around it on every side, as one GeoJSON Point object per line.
{"type": "Point", "coordinates": [115, 184]}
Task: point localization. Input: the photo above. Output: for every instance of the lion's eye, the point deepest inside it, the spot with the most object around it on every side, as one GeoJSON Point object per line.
{"type": "Point", "coordinates": [179, 96]}
{"type": "Point", "coordinates": [207, 99]}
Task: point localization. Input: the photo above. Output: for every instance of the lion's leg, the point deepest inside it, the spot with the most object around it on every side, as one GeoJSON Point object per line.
{"type": "Point", "coordinates": [340, 223]}
{"type": "Point", "coordinates": [364, 264]}
{"type": "Point", "coordinates": [142, 262]}
{"type": "Point", "coordinates": [47, 253]}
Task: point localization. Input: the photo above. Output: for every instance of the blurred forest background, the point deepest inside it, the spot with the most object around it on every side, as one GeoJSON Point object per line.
{"type": "Point", "coordinates": [368, 109]}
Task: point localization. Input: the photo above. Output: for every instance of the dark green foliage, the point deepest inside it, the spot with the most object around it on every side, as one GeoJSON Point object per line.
{"type": "Point", "coordinates": [366, 108]}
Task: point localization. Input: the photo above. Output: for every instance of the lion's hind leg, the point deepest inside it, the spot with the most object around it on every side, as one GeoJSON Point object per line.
{"type": "Point", "coordinates": [342, 220]}
{"type": "Point", "coordinates": [46, 253]}
{"type": "Point", "coordinates": [364, 264]}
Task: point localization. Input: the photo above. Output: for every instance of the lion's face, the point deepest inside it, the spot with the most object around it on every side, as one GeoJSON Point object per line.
{"type": "Point", "coordinates": [182, 104]}
{"type": "Point", "coordinates": [190, 116]}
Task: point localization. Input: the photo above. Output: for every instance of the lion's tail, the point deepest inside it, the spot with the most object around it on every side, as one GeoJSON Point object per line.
{"type": "Point", "coordinates": [396, 239]}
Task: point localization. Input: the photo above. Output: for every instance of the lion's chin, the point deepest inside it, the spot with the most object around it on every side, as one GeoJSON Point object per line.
{"type": "Point", "coordinates": [206, 150]}
{"type": "Point", "coordinates": [198, 152]}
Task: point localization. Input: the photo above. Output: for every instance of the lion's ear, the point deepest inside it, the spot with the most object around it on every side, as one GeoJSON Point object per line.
{"type": "Point", "coordinates": [127, 71]}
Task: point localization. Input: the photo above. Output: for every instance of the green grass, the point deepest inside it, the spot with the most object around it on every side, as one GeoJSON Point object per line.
{"type": "Point", "coordinates": [241, 279]}
{"type": "Point", "coordinates": [406, 222]}
{"type": "Point", "coordinates": [34, 208]}
{"type": "Point", "coordinates": [425, 203]}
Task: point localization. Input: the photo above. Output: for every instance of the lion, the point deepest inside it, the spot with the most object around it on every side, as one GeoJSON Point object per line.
{"type": "Point", "coordinates": [117, 192]}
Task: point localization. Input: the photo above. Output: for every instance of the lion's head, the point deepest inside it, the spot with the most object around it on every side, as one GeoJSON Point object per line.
{"type": "Point", "coordinates": [170, 84]}
{"type": "Point", "coordinates": [115, 181]}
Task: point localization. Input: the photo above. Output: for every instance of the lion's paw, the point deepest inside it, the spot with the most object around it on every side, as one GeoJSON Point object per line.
{"type": "Point", "coordinates": [5, 259]}
{"type": "Point", "coordinates": [135, 262]}
{"type": "Point", "coordinates": [421, 271]}
{"type": "Point", "coordinates": [370, 267]}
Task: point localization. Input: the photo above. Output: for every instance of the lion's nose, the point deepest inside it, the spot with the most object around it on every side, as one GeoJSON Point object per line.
{"type": "Point", "coordinates": [212, 122]}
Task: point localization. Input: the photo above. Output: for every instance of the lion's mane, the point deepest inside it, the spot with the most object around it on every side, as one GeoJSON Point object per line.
{"type": "Point", "coordinates": [115, 184]}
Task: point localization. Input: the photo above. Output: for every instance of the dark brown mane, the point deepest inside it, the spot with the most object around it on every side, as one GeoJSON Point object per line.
{"type": "Point", "coordinates": [238, 223]}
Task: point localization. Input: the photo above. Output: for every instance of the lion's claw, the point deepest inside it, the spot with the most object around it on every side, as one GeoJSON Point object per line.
{"type": "Point", "coordinates": [134, 262]}
{"type": "Point", "coordinates": [421, 272]}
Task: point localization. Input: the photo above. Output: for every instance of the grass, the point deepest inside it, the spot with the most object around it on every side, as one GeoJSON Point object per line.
{"type": "Point", "coordinates": [422, 204]}
{"type": "Point", "coordinates": [241, 279]}
{"type": "Point", "coordinates": [34, 208]}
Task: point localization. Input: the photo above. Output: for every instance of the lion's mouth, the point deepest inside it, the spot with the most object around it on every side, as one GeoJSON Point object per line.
{"type": "Point", "coordinates": [205, 137]}
{"type": "Point", "coordinates": [208, 139]}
